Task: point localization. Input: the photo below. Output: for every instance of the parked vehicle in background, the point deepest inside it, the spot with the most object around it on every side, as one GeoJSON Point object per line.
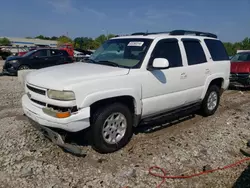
{"type": "Point", "coordinates": [21, 53]}
{"type": "Point", "coordinates": [240, 70]}
{"type": "Point", "coordinates": [68, 48]}
{"type": "Point", "coordinates": [131, 79]}
{"type": "Point", "coordinates": [81, 55]}
{"type": "Point", "coordinates": [4, 54]}
{"type": "Point", "coordinates": [36, 59]}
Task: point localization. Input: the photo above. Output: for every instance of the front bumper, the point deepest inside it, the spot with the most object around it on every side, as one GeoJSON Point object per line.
{"type": "Point", "coordinates": [240, 80]}
{"type": "Point", "coordinates": [9, 69]}
{"type": "Point", "coordinates": [57, 139]}
{"type": "Point", "coordinates": [76, 122]}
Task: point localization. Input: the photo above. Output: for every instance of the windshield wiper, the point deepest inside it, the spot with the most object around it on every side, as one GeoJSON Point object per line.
{"type": "Point", "coordinates": [90, 61]}
{"type": "Point", "coordinates": [111, 63]}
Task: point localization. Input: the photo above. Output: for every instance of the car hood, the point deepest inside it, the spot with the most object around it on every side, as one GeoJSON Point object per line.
{"type": "Point", "coordinates": [63, 76]}
{"type": "Point", "coordinates": [10, 58]}
{"type": "Point", "coordinates": [240, 67]}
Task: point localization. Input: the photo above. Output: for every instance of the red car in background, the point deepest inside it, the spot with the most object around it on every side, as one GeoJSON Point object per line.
{"type": "Point", "coordinates": [240, 70]}
{"type": "Point", "coordinates": [69, 48]}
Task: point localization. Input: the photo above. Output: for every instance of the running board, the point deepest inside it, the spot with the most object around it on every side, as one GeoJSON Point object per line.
{"type": "Point", "coordinates": [174, 114]}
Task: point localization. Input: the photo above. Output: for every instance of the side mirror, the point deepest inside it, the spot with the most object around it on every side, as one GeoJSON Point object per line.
{"type": "Point", "coordinates": [160, 63]}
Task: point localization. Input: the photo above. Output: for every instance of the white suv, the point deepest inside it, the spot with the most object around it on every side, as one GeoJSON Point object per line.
{"type": "Point", "coordinates": [128, 80]}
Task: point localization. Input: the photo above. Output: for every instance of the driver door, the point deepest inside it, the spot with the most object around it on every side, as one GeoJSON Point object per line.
{"type": "Point", "coordinates": [39, 59]}
{"type": "Point", "coordinates": [164, 89]}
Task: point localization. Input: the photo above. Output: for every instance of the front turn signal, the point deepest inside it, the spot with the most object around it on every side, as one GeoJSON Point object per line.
{"type": "Point", "coordinates": [62, 114]}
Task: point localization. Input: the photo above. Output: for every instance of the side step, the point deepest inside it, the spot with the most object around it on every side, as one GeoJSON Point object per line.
{"type": "Point", "coordinates": [174, 114]}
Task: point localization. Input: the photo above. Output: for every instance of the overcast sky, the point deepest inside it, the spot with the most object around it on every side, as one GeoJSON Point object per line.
{"type": "Point", "coordinates": [229, 19]}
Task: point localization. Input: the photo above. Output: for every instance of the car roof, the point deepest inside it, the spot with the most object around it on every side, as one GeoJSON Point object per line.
{"type": "Point", "coordinates": [162, 36]}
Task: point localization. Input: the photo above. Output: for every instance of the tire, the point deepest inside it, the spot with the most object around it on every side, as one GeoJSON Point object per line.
{"type": "Point", "coordinates": [103, 144]}
{"type": "Point", "coordinates": [23, 67]}
{"type": "Point", "coordinates": [209, 108]}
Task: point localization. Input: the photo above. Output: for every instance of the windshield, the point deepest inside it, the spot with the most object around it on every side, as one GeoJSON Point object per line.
{"type": "Point", "coordinates": [241, 57]}
{"type": "Point", "coordinates": [128, 53]}
{"type": "Point", "coordinates": [29, 53]}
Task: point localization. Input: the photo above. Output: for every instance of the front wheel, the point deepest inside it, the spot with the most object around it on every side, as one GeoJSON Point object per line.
{"type": "Point", "coordinates": [111, 128]}
{"type": "Point", "coordinates": [211, 101]}
{"type": "Point", "coordinates": [23, 67]}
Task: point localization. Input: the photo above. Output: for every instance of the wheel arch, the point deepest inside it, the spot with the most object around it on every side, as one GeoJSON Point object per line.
{"type": "Point", "coordinates": [128, 97]}
{"type": "Point", "coordinates": [218, 81]}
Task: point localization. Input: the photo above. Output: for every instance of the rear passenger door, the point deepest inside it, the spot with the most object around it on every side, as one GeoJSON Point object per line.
{"type": "Point", "coordinates": [56, 57]}
{"type": "Point", "coordinates": [196, 71]}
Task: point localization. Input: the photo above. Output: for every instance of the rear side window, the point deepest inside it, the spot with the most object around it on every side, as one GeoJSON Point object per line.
{"type": "Point", "coordinates": [194, 51]}
{"type": "Point", "coordinates": [54, 52]}
{"type": "Point", "coordinates": [169, 49]}
{"type": "Point", "coordinates": [64, 52]}
{"type": "Point", "coordinates": [217, 50]}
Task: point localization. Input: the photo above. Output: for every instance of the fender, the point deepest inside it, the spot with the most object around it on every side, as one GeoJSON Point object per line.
{"type": "Point", "coordinates": [210, 79]}
{"type": "Point", "coordinates": [97, 96]}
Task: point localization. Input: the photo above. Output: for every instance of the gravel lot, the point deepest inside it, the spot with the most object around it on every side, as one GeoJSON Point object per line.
{"type": "Point", "coordinates": [27, 159]}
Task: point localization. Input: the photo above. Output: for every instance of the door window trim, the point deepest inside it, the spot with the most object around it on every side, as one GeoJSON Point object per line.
{"type": "Point", "coordinates": [204, 49]}
{"type": "Point", "coordinates": [151, 58]}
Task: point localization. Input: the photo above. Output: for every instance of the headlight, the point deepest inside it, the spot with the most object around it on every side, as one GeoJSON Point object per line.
{"type": "Point", "coordinates": [13, 61]}
{"type": "Point", "coordinates": [61, 95]}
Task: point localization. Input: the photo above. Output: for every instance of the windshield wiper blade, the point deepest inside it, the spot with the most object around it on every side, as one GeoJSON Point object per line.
{"type": "Point", "coordinates": [111, 63]}
{"type": "Point", "coordinates": [90, 61]}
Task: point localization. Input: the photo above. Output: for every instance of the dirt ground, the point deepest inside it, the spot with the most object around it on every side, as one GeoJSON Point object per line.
{"type": "Point", "coordinates": [27, 159]}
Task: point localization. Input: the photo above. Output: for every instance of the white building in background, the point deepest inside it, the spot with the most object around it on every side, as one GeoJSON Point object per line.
{"type": "Point", "coordinates": [23, 42]}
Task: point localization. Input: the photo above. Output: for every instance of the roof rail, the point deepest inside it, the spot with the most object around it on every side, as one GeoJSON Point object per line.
{"type": "Point", "coordinates": [146, 33]}
{"type": "Point", "coordinates": [188, 32]}
{"type": "Point", "coordinates": [176, 32]}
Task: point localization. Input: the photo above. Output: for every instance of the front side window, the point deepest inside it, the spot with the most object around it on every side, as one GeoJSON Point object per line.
{"type": "Point", "coordinates": [168, 49]}
{"type": "Point", "coordinates": [128, 53]}
{"type": "Point", "coordinates": [241, 57]}
{"type": "Point", "coordinates": [194, 51]}
{"type": "Point", "coordinates": [40, 53]}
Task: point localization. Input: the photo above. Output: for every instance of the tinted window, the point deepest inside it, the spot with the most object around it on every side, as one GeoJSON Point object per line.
{"type": "Point", "coordinates": [169, 49]}
{"type": "Point", "coordinates": [63, 52]}
{"type": "Point", "coordinates": [241, 57]}
{"type": "Point", "coordinates": [194, 51]}
{"type": "Point", "coordinates": [40, 53]}
{"type": "Point", "coordinates": [54, 52]}
{"type": "Point", "coordinates": [217, 50]}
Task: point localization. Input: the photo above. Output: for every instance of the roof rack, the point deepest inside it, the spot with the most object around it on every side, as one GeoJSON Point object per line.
{"type": "Point", "coordinates": [188, 32]}
{"type": "Point", "coordinates": [179, 32]}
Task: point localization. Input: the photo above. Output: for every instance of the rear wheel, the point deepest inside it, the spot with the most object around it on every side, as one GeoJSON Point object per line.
{"type": "Point", "coordinates": [211, 101]}
{"type": "Point", "coordinates": [111, 128]}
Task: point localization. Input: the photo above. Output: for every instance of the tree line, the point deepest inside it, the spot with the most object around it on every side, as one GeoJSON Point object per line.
{"type": "Point", "coordinates": [87, 43]}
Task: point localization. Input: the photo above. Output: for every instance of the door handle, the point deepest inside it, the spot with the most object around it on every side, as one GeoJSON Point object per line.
{"type": "Point", "coordinates": [46, 59]}
{"type": "Point", "coordinates": [183, 75]}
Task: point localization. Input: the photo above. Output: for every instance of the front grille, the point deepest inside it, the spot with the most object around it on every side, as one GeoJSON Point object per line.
{"type": "Point", "coordinates": [63, 109]}
{"type": "Point", "coordinates": [35, 90]}
{"type": "Point", "coordinates": [38, 102]}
